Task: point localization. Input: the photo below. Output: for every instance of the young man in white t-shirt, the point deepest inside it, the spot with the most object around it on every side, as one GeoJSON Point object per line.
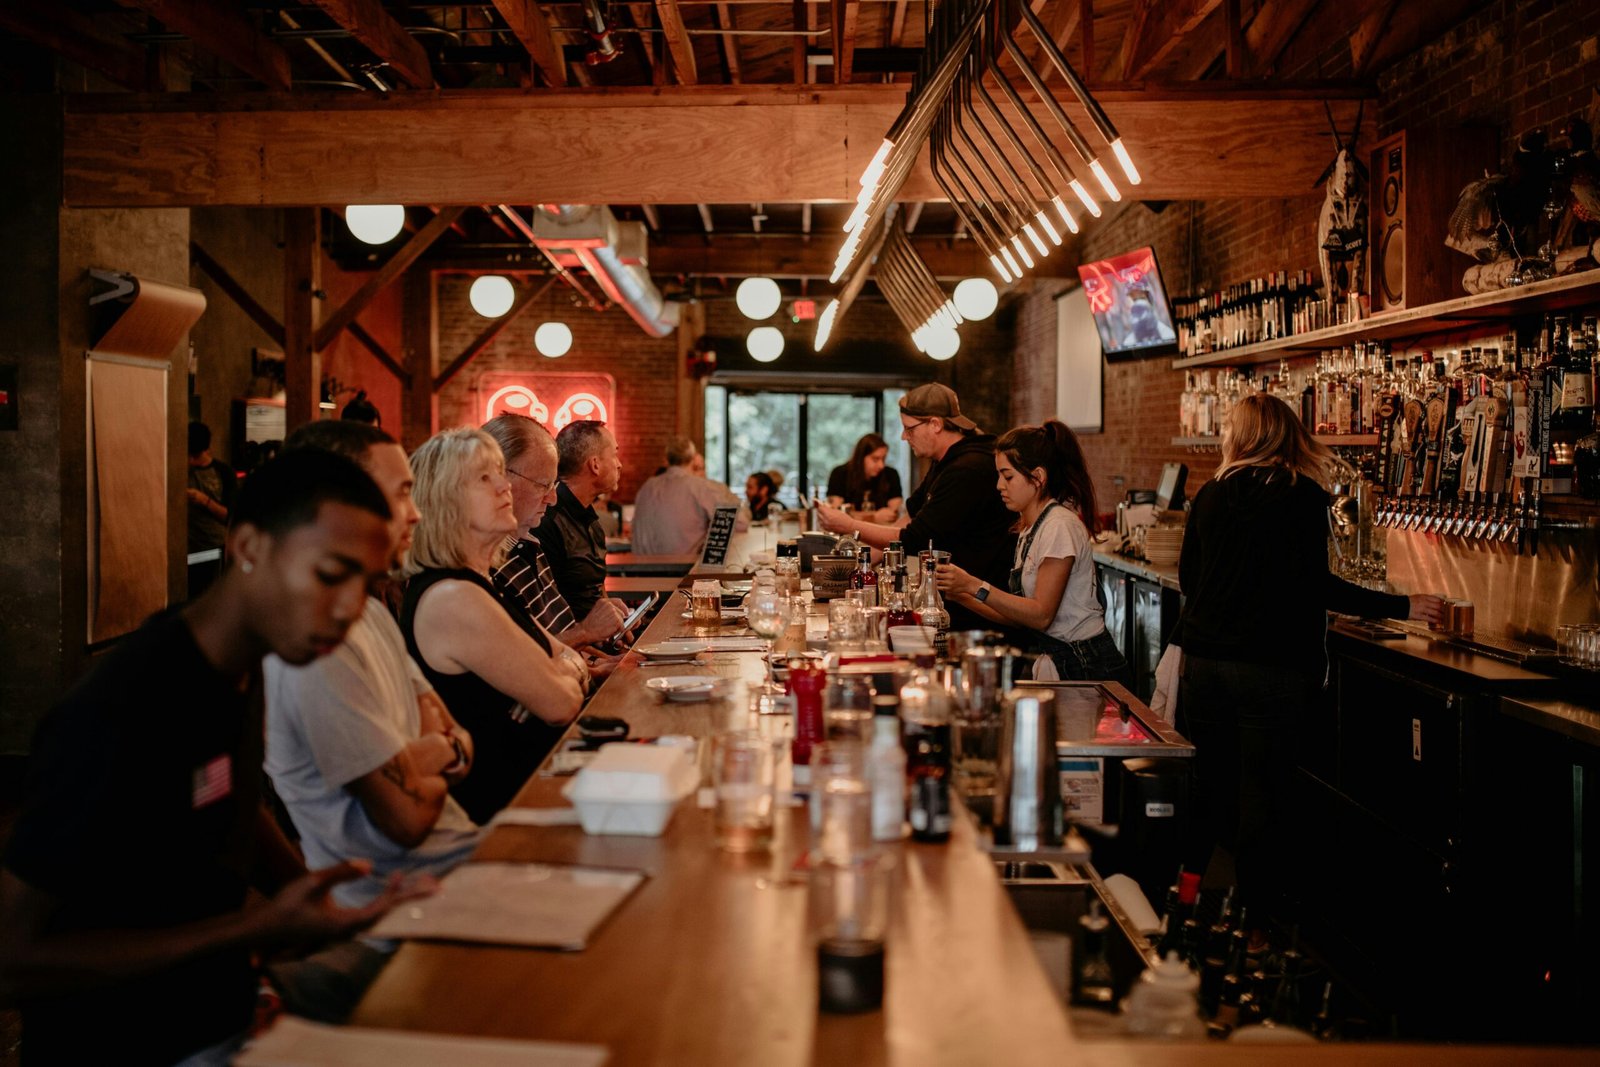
{"type": "Point", "coordinates": [360, 749]}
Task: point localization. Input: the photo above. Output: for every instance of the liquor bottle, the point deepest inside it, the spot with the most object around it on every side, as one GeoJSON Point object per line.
{"type": "Point", "coordinates": [1286, 1011]}
{"type": "Point", "coordinates": [1323, 1027]}
{"type": "Point", "coordinates": [863, 576]}
{"type": "Point", "coordinates": [1571, 401]}
{"type": "Point", "coordinates": [886, 770]}
{"type": "Point", "coordinates": [1252, 1007]}
{"type": "Point", "coordinates": [1586, 451]}
{"type": "Point", "coordinates": [1235, 983]}
{"type": "Point", "coordinates": [925, 718]}
{"type": "Point", "coordinates": [893, 598]}
{"type": "Point", "coordinates": [1092, 982]}
{"type": "Point", "coordinates": [930, 612]}
{"type": "Point", "coordinates": [893, 556]}
{"type": "Point", "coordinates": [1188, 891]}
{"type": "Point", "coordinates": [1214, 956]}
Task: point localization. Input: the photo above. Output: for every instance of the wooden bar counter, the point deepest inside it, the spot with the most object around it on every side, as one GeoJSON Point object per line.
{"type": "Point", "coordinates": [710, 962]}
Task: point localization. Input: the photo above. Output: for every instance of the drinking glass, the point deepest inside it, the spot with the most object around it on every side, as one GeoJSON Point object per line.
{"type": "Point", "coordinates": [768, 614]}
{"type": "Point", "coordinates": [743, 775]}
{"type": "Point", "coordinates": [705, 605]}
{"type": "Point", "coordinates": [847, 626]}
{"type": "Point", "coordinates": [847, 707]}
{"type": "Point", "coordinates": [841, 801]}
{"type": "Point", "coordinates": [1567, 643]}
{"type": "Point", "coordinates": [1588, 647]}
{"type": "Point", "coordinates": [985, 676]}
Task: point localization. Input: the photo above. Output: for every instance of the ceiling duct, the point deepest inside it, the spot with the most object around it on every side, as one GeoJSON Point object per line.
{"type": "Point", "coordinates": [614, 253]}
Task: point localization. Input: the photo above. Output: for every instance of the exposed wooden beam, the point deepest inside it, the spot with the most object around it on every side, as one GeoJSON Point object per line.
{"type": "Point", "coordinates": [730, 43]}
{"type": "Point", "coordinates": [846, 21]}
{"type": "Point", "coordinates": [679, 44]}
{"type": "Point", "coordinates": [1367, 33]}
{"type": "Point", "coordinates": [805, 220]}
{"type": "Point", "coordinates": [222, 30]}
{"type": "Point", "coordinates": [797, 52]}
{"type": "Point", "coordinates": [1266, 34]}
{"type": "Point", "coordinates": [381, 354]}
{"type": "Point", "coordinates": [525, 299]}
{"type": "Point", "coordinates": [1413, 25]}
{"type": "Point", "coordinates": [705, 144]}
{"type": "Point", "coordinates": [1234, 54]}
{"type": "Point", "coordinates": [1086, 21]}
{"type": "Point", "coordinates": [302, 284]}
{"type": "Point", "coordinates": [1330, 20]}
{"type": "Point", "coordinates": [385, 38]}
{"type": "Point", "coordinates": [1156, 28]}
{"type": "Point", "coordinates": [269, 323]}
{"type": "Point", "coordinates": [396, 265]}
{"type": "Point", "coordinates": [651, 216]}
{"type": "Point", "coordinates": [896, 30]}
{"type": "Point", "coordinates": [529, 25]}
{"type": "Point", "coordinates": [705, 217]}
{"type": "Point", "coordinates": [77, 38]}
{"type": "Point", "coordinates": [913, 216]}
{"type": "Point", "coordinates": [644, 18]}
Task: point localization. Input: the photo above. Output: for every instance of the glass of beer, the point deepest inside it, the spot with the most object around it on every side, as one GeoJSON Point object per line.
{"type": "Point", "coordinates": [705, 605]}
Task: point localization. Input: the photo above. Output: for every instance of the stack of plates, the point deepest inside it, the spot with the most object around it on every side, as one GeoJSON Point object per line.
{"type": "Point", "coordinates": [1163, 544]}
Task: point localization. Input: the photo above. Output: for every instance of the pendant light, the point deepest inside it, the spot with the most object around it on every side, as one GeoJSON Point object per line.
{"type": "Point", "coordinates": [376, 224]}
{"type": "Point", "coordinates": [553, 339]}
{"type": "Point", "coordinates": [492, 295]}
{"type": "Point", "coordinates": [758, 298]}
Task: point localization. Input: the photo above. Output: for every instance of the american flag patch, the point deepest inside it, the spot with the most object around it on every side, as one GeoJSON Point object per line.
{"type": "Point", "coordinates": [212, 782]}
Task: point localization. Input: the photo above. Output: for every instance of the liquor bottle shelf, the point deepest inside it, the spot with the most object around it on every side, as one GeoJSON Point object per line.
{"type": "Point", "coordinates": [1335, 440]}
{"type": "Point", "coordinates": [1414, 324]}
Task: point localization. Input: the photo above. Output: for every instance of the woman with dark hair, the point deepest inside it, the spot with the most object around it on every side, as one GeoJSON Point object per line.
{"type": "Point", "coordinates": [360, 409]}
{"type": "Point", "coordinates": [1257, 592]}
{"type": "Point", "coordinates": [868, 481]}
{"type": "Point", "coordinates": [759, 491]}
{"type": "Point", "coordinates": [1042, 477]}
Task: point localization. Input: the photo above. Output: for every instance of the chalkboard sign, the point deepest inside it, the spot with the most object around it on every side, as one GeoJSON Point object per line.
{"type": "Point", "coordinates": [717, 538]}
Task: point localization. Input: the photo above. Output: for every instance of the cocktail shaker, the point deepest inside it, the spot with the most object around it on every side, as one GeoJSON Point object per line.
{"type": "Point", "coordinates": [1027, 804]}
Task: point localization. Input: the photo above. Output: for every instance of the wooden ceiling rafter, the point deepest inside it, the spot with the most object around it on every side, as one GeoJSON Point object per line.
{"type": "Point", "coordinates": [79, 39]}
{"type": "Point", "coordinates": [394, 267]}
{"type": "Point", "coordinates": [530, 26]}
{"type": "Point", "coordinates": [1411, 26]}
{"type": "Point", "coordinates": [1367, 33]}
{"type": "Point", "coordinates": [372, 25]}
{"type": "Point", "coordinates": [797, 49]}
{"type": "Point", "coordinates": [679, 44]}
{"type": "Point", "coordinates": [1155, 30]}
{"type": "Point", "coordinates": [730, 43]}
{"type": "Point", "coordinates": [644, 20]}
{"type": "Point", "coordinates": [224, 31]}
{"type": "Point", "coordinates": [846, 24]}
{"type": "Point", "coordinates": [1061, 19]}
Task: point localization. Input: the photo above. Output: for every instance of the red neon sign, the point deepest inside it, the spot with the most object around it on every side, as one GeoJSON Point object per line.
{"type": "Point", "coordinates": [552, 399]}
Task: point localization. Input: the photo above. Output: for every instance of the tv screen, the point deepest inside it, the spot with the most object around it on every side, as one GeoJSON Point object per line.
{"type": "Point", "coordinates": [1128, 302]}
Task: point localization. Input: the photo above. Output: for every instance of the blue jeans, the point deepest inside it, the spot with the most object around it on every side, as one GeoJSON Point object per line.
{"type": "Point", "coordinates": [1241, 719]}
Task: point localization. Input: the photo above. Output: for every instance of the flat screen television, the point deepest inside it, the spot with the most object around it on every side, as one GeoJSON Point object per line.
{"type": "Point", "coordinates": [1129, 303]}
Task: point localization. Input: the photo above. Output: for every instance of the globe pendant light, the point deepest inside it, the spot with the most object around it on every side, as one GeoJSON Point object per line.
{"type": "Point", "coordinates": [942, 344]}
{"type": "Point", "coordinates": [976, 298]}
{"type": "Point", "coordinates": [764, 343]}
{"type": "Point", "coordinates": [376, 224]}
{"type": "Point", "coordinates": [492, 295]}
{"type": "Point", "coordinates": [553, 339]}
{"type": "Point", "coordinates": [758, 298]}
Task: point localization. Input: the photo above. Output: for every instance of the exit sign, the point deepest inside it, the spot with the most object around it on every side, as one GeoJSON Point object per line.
{"type": "Point", "coordinates": [804, 310]}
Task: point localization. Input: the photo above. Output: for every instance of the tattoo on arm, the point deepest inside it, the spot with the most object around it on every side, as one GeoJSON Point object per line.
{"type": "Point", "coordinates": [395, 771]}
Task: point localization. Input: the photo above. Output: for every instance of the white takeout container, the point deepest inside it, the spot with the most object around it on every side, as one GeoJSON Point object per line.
{"type": "Point", "coordinates": [631, 788]}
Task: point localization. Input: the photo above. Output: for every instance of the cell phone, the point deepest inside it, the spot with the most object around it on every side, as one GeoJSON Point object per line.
{"type": "Point", "coordinates": [639, 612]}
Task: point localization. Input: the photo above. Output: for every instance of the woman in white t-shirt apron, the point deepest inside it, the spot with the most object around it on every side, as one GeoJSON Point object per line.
{"type": "Point", "coordinates": [1051, 593]}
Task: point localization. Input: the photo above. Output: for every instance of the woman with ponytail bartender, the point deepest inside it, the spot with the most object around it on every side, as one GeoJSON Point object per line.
{"type": "Point", "coordinates": [1041, 475]}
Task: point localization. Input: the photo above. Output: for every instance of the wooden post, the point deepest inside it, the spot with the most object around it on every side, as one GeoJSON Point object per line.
{"type": "Point", "coordinates": [302, 291]}
{"type": "Point", "coordinates": [419, 345]}
{"type": "Point", "coordinates": [691, 391]}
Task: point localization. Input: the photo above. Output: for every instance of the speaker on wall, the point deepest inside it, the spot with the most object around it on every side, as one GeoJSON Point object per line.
{"type": "Point", "coordinates": [1416, 177]}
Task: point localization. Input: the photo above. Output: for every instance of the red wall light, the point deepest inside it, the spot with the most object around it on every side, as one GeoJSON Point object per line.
{"type": "Point", "coordinates": [553, 400]}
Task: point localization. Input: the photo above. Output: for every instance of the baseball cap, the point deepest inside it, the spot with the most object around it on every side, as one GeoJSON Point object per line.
{"type": "Point", "coordinates": [933, 399]}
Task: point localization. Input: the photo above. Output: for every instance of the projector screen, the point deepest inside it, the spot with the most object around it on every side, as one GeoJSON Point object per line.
{"type": "Point", "coordinates": [1079, 364]}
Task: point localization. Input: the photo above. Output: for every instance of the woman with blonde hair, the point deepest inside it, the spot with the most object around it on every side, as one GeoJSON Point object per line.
{"type": "Point", "coordinates": [1257, 592]}
{"type": "Point", "coordinates": [501, 675]}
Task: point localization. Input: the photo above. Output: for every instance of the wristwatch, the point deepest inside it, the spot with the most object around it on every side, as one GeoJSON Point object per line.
{"type": "Point", "coordinates": [982, 595]}
{"type": "Point", "coordinates": [461, 753]}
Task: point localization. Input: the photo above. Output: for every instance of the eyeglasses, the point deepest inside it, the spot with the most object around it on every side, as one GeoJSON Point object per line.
{"type": "Point", "coordinates": [543, 487]}
{"type": "Point", "coordinates": [905, 431]}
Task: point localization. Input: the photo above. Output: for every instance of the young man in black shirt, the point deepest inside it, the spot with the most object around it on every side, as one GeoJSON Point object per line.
{"type": "Point", "coordinates": [570, 533]}
{"type": "Point", "coordinates": [957, 506]}
{"type": "Point", "coordinates": [123, 931]}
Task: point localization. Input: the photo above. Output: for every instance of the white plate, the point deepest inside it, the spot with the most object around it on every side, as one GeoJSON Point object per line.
{"type": "Point", "coordinates": [672, 650]}
{"type": "Point", "coordinates": [685, 687]}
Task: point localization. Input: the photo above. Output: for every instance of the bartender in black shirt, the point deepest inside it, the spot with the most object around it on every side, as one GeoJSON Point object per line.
{"type": "Point", "coordinates": [956, 507]}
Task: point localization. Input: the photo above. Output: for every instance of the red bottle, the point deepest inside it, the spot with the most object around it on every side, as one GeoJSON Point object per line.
{"type": "Point", "coordinates": [805, 686]}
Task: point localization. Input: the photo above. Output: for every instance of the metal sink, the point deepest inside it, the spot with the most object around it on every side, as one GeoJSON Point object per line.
{"type": "Point", "coordinates": [1051, 898]}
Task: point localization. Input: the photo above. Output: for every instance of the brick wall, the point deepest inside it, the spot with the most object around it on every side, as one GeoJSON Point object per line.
{"type": "Point", "coordinates": [1511, 65]}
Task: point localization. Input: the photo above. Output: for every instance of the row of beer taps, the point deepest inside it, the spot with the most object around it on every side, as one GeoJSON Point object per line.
{"type": "Point", "coordinates": [1483, 520]}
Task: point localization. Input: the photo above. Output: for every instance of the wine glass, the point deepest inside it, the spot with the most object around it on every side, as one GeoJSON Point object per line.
{"type": "Point", "coordinates": [768, 614]}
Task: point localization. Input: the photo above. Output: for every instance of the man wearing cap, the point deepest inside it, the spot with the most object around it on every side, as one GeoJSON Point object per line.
{"type": "Point", "coordinates": [956, 507]}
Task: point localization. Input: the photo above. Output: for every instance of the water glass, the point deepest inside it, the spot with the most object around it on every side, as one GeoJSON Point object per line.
{"type": "Point", "coordinates": [847, 707]}
{"type": "Point", "coordinates": [847, 626]}
{"type": "Point", "coordinates": [986, 675]}
{"type": "Point", "coordinates": [743, 774]}
{"type": "Point", "coordinates": [1586, 647]}
{"type": "Point", "coordinates": [841, 801]}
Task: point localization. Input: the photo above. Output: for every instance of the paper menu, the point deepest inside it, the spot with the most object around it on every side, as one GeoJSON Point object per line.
{"type": "Point", "coordinates": [531, 904]}
{"type": "Point", "coordinates": [294, 1042]}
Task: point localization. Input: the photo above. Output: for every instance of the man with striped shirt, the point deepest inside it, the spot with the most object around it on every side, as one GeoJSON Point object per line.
{"type": "Point", "coordinates": [531, 463]}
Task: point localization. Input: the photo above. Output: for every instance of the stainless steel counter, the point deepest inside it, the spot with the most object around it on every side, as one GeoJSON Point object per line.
{"type": "Point", "coordinates": [1166, 576]}
{"type": "Point", "coordinates": [1581, 722]}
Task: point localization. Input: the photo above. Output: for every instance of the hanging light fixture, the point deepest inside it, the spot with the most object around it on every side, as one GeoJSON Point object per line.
{"type": "Point", "coordinates": [553, 339]}
{"type": "Point", "coordinates": [492, 295]}
{"type": "Point", "coordinates": [764, 343]}
{"type": "Point", "coordinates": [758, 298]}
{"type": "Point", "coordinates": [976, 298]}
{"type": "Point", "coordinates": [825, 325]}
{"type": "Point", "coordinates": [942, 344]}
{"type": "Point", "coordinates": [376, 224]}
